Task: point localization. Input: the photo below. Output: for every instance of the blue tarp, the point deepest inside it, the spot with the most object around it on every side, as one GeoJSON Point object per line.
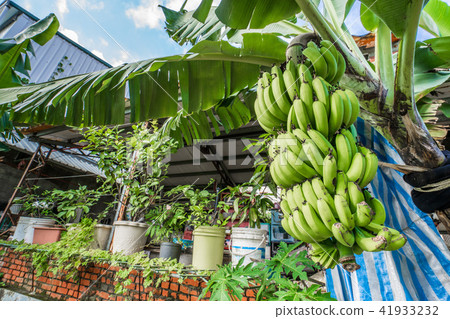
{"type": "Point", "coordinates": [418, 271]}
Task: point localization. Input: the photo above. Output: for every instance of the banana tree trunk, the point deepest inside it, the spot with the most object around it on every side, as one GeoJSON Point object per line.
{"type": "Point", "coordinates": [397, 119]}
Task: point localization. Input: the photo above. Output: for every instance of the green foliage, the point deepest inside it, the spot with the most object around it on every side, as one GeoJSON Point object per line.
{"type": "Point", "coordinates": [268, 278]}
{"type": "Point", "coordinates": [35, 203]}
{"type": "Point", "coordinates": [135, 160]}
{"type": "Point", "coordinates": [167, 220]}
{"type": "Point", "coordinates": [66, 256]}
{"type": "Point", "coordinates": [2, 284]}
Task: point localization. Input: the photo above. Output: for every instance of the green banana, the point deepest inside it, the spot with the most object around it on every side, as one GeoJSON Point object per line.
{"type": "Point", "coordinates": [387, 233]}
{"type": "Point", "coordinates": [309, 194]}
{"type": "Point", "coordinates": [355, 105]}
{"type": "Point", "coordinates": [321, 91]}
{"type": "Point", "coordinates": [300, 166]}
{"type": "Point", "coordinates": [364, 214]}
{"type": "Point", "coordinates": [322, 143]}
{"type": "Point", "coordinates": [290, 80]}
{"type": "Point", "coordinates": [342, 185]}
{"type": "Point", "coordinates": [298, 195]}
{"type": "Point", "coordinates": [287, 169]}
{"type": "Point", "coordinates": [321, 192]}
{"type": "Point", "coordinates": [266, 79]}
{"type": "Point", "coordinates": [304, 74]}
{"type": "Point", "coordinates": [272, 106]}
{"type": "Point", "coordinates": [371, 166]}
{"type": "Point", "coordinates": [347, 108]}
{"type": "Point", "coordinates": [357, 168]}
{"type": "Point", "coordinates": [341, 68]}
{"type": "Point", "coordinates": [279, 175]}
{"type": "Point", "coordinates": [357, 250]}
{"type": "Point", "coordinates": [343, 211]}
{"type": "Point", "coordinates": [355, 195]}
{"type": "Point", "coordinates": [301, 135]}
{"type": "Point", "coordinates": [344, 152]}
{"type": "Point", "coordinates": [320, 118]}
{"type": "Point", "coordinates": [351, 141]}
{"type": "Point", "coordinates": [319, 63]}
{"type": "Point", "coordinates": [331, 64]}
{"type": "Point", "coordinates": [269, 123]}
{"type": "Point", "coordinates": [368, 243]}
{"type": "Point", "coordinates": [314, 156]}
{"type": "Point", "coordinates": [280, 96]}
{"type": "Point", "coordinates": [302, 227]}
{"type": "Point", "coordinates": [301, 114]}
{"type": "Point", "coordinates": [343, 234]}
{"type": "Point", "coordinates": [380, 212]}
{"type": "Point", "coordinates": [336, 113]}
{"type": "Point", "coordinates": [291, 224]}
{"type": "Point", "coordinates": [306, 95]}
{"type": "Point", "coordinates": [330, 173]}
{"type": "Point", "coordinates": [289, 141]}
{"type": "Point", "coordinates": [313, 220]}
{"type": "Point", "coordinates": [397, 242]}
{"type": "Point", "coordinates": [345, 253]}
{"type": "Point", "coordinates": [325, 212]}
{"type": "Point", "coordinates": [291, 200]}
{"type": "Point", "coordinates": [376, 228]}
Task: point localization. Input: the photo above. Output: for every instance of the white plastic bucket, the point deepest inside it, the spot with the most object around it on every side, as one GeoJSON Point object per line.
{"type": "Point", "coordinates": [129, 237]}
{"type": "Point", "coordinates": [25, 227]}
{"type": "Point", "coordinates": [101, 236]}
{"type": "Point", "coordinates": [248, 243]}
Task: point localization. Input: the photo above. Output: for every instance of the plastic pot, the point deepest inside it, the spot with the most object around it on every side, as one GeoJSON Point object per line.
{"type": "Point", "coordinates": [129, 237]}
{"type": "Point", "coordinates": [25, 227]}
{"type": "Point", "coordinates": [170, 250]}
{"type": "Point", "coordinates": [45, 235]}
{"type": "Point", "coordinates": [208, 247]}
{"type": "Point", "coordinates": [101, 236]}
{"type": "Point", "coordinates": [248, 243]}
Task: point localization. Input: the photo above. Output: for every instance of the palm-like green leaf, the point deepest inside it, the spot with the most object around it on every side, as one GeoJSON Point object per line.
{"type": "Point", "coordinates": [244, 14]}
{"type": "Point", "coordinates": [207, 74]}
{"type": "Point", "coordinates": [393, 13]}
{"type": "Point", "coordinates": [14, 58]}
{"type": "Point", "coordinates": [436, 18]}
{"type": "Point", "coordinates": [183, 27]}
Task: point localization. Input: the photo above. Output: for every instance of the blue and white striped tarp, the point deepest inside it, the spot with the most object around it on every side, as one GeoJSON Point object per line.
{"type": "Point", "coordinates": [418, 271]}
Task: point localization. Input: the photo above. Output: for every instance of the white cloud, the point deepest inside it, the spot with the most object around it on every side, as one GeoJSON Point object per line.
{"type": "Point", "coordinates": [99, 54]}
{"type": "Point", "coordinates": [91, 5]}
{"type": "Point", "coordinates": [61, 6]}
{"type": "Point", "coordinates": [27, 5]}
{"type": "Point", "coordinates": [73, 35]}
{"type": "Point", "coordinates": [148, 14]}
{"type": "Point", "coordinates": [103, 42]}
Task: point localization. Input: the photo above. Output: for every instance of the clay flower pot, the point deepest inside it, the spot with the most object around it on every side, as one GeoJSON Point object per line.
{"type": "Point", "coordinates": [45, 235]}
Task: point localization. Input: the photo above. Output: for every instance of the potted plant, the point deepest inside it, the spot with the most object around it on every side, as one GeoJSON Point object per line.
{"type": "Point", "coordinates": [133, 163]}
{"type": "Point", "coordinates": [208, 218]}
{"type": "Point", "coordinates": [167, 226]}
{"type": "Point", "coordinates": [36, 205]}
{"type": "Point", "coordinates": [251, 202]}
{"type": "Point", "coordinates": [74, 204]}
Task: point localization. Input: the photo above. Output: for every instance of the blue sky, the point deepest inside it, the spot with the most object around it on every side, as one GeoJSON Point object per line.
{"type": "Point", "coordinates": [124, 31]}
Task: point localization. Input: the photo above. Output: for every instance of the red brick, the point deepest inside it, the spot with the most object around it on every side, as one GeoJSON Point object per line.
{"type": "Point", "coordinates": [85, 282]}
{"type": "Point", "coordinates": [203, 284]}
{"type": "Point", "coordinates": [62, 291]}
{"type": "Point", "coordinates": [193, 298]}
{"type": "Point", "coordinates": [174, 295]}
{"type": "Point", "coordinates": [251, 299]}
{"type": "Point", "coordinates": [165, 293]}
{"type": "Point", "coordinates": [56, 282]}
{"type": "Point", "coordinates": [193, 292]}
{"type": "Point", "coordinates": [93, 276]}
{"type": "Point", "coordinates": [165, 285]}
{"type": "Point", "coordinates": [174, 279]}
{"type": "Point", "coordinates": [250, 293]}
{"type": "Point", "coordinates": [19, 279]}
{"type": "Point", "coordinates": [55, 296]}
{"type": "Point", "coordinates": [103, 295]}
{"type": "Point", "coordinates": [120, 298]}
{"type": "Point", "coordinates": [71, 299]}
{"type": "Point", "coordinates": [131, 286]}
{"type": "Point", "coordinates": [96, 270]}
{"type": "Point", "coordinates": [46, 287]}
{"type": "Point", "coordinates": [244, 299]}
{"type": "Point", "coordinates": [184, 289]}
{"type": "Point", "coordinates": [174, 287]}
{"type": "Point", "coordinates": [183, 297]}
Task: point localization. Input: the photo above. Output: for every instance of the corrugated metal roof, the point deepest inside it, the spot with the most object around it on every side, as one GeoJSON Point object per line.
{"type": "Point", "coordinates": [59, 53]}
{"type": "Point", "coordinates": [58, 58]}
{"type": "Point", "coordinates": [80, 163]}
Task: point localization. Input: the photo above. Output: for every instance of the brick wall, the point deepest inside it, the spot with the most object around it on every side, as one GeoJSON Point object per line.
{"type": "Point", "coordinates": [96, 282]}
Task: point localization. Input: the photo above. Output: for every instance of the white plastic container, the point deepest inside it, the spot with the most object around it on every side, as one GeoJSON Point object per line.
{"type": "Point", "coordinates": [248, 243]}
{"type": "Point", "coordinates": [25, 227]}
{"type": "Point", "coordinates": [101, 236]}
{"type": "Point", "coordinates": [129, 237]}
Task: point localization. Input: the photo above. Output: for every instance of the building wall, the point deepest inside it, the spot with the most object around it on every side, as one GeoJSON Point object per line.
{"type": "Point", "coordinates": [96, 282]}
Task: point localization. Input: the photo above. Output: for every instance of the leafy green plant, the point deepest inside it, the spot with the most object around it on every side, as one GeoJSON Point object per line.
{"type": "Point", "coordinates": [250, 202]}
{"type": "Point", "coordinates": [275, 279]}
{"type": "Point", "coordinates": [2, 284]}
{"type": "Point", "coordinates": [167, 220]}
{"type": "Point", "coordinates": [133, 160]}
{"type": "Point", "coordinates": [69, 202]}
{"type": "Point", "coordinates": [35, 203]}
{"type": "Point", "coordinates": [203, 205]}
